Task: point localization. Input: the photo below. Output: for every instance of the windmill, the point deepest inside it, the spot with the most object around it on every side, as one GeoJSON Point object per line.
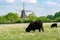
{"type": "Point", "coordinates": [23, 15]}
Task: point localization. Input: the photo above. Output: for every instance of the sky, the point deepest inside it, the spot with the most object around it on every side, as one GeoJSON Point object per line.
{"type": "Point", "coordinates": [39, 7]}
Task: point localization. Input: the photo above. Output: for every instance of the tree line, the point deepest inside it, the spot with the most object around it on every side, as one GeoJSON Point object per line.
{"type": "Point", "coordinates": [14, 18]}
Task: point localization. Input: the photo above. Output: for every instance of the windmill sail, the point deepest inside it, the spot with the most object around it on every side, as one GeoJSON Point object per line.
{"type": "Point", "coordinates": [23, 15]}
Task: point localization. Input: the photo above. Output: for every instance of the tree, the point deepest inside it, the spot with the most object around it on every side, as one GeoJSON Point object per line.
{"type": "Point", "coordinates": [50, 17]}
{"type": "Point", "coordinates": [57, 14]}
{"type": "Point", "coordinates": [44, 19]}
{"type": "Point", "coordinates": [3, 19]}
{"type": "Point", "coordinates": [31, 16]}
{"type": "Point", "coordinates": [12, 17]}
{"type": "Point", "coordinates": [57, 19]}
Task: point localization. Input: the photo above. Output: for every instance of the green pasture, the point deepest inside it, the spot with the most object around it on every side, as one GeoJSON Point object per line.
{"type": "Point", "coordinates": [17, 32]}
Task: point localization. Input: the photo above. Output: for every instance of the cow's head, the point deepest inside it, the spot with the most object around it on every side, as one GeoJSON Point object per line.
{"type": "Point", "coordinates": [27, 30]}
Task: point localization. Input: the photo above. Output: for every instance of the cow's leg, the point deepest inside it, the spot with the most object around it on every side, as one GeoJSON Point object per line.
{"type": "Point", "coordinates": [56, 26]}
{"type": "Point", "coordinates": [42, 29]}
{"type": "Point", "coordinates": [39, 30]}
{"type": "Point", "coordinates": [34, 30]}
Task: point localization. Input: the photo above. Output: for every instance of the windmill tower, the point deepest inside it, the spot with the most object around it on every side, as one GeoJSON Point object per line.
{"type": "Point", "coordinates": [23, 15]}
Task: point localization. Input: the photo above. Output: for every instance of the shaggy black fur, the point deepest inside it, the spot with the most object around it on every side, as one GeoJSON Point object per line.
{"type": "Point", "coordinates": [35, 25]}
{"type": "Point", "coordinates": [54, 25]}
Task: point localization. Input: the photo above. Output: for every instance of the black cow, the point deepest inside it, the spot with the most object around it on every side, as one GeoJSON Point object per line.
{"type": "Point", "coordinates": [35, 25]}
{"type": "Point", "coordinates": [54, 25]}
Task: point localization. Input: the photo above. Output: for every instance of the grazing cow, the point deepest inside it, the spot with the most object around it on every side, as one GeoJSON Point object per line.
{"type": "Point", "coordinates": [54, 25]}
{"type": "Point", "coordinates": [35, 25]}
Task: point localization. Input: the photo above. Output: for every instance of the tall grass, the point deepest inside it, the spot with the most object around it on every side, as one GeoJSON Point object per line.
{"type": "Point", "coordinates": [17, 32]}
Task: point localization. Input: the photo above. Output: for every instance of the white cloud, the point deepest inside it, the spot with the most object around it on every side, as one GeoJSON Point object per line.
{"type": "Point", "coordinates": [28, 1]}
{"type": "Point", "coordinates": [53, 3]}
{"type": "Point", "coordinates": [39, 9]}
{"type": "Point", "coordinates": [33, 1]}
{"type": "Point", "coordinates": [10, 1]}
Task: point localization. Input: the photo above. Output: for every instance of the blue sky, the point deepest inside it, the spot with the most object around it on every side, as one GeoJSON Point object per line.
{"type": "Point", "coordinates": [39, 7]}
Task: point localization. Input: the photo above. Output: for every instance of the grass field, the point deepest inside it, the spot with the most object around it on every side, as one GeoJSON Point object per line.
{"type": "Point", "coordinates": [17, 32]}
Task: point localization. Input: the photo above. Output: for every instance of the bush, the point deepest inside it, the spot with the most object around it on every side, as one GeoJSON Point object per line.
{"type": "Point", "coordinates": [19, 21]}
{"type": "Point", "coordinates": [44, 19]}
{"type": "Point", "coordinates": [27, 21]}
{"type": "Point", "coordinates": [57, 19]}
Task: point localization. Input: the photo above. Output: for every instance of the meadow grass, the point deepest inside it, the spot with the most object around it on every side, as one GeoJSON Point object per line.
{"type": "Point", "coordinates": [17, 32]}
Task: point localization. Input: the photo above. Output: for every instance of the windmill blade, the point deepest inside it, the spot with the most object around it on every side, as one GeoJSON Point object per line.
{"type": "Point", "coordinates": [18, 10]}
{"type": "Point", "coordinates": [28, 11]}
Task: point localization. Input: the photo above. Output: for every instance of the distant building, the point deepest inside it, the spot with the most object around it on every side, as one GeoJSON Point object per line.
{"type": "Point", "coordinates": [23, 15]}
